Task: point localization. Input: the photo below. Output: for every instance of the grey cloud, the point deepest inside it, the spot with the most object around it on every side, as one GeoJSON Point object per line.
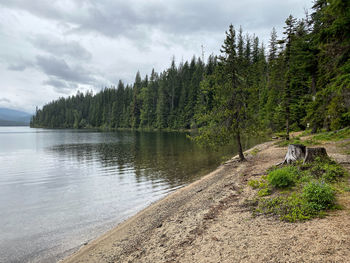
{"type": "Point", "coordinates": [5, 100]}
{"type": "Point", "coordinates": [60, 86]}
{"type": "Point", "coordinates": [20, 65]}
{"type": "Point", "coordinates": [59, 69]}
{"type": "Point", "coordinates": [61, 48]}
{"type": "Point", "coordinates": [137, 19]}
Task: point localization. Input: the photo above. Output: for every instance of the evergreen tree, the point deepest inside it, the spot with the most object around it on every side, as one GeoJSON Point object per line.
{"type": "Point", "coordinates": [227, 116]}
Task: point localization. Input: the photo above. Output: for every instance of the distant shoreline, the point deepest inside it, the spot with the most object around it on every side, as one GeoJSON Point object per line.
{"type": "Point", "coordinates": [14, 125]}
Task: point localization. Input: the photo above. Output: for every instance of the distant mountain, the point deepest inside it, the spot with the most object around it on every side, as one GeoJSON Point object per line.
{"type": "Point", "coordinates": [9, 117]}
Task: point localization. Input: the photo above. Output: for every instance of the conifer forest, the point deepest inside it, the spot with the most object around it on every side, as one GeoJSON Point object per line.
{"type": "Point", "coordinates": [299, 80]}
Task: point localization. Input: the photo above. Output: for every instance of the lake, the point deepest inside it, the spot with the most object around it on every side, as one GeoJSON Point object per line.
{"type": "Point", "coordinates": [61, 188]}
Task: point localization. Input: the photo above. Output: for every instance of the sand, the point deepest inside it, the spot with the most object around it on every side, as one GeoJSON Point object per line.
{"type": "Point", "coordinates": [209, 221]}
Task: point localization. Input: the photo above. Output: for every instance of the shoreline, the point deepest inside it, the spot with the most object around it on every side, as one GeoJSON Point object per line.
{"type": "Point", "coordinates": [209, 219]}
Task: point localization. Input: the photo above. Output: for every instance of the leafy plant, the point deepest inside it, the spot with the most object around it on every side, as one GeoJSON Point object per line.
{"type": "Point", "coordinates": [254, 184]}
{"type": "Point", "coordinates": [284, 177]}
{"type": "Point", "coordinates": [319, 195]}
{"type": "Point", "coordinates": [289, 208]}
{"type": "Point", "coordinates": [334, 135]}
{"type": "Point", "coordinates": [264, 192]}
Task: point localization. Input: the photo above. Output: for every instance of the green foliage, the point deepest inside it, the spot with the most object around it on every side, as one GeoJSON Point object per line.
{"type": "Point", "coordinates": [255, 151]}
{"type": "Point", "coordinates": [312, 194]}
{"type": "Point", "coordinates": [314, 199]}
{"type": "Point", "coordinates": [284, 143]}
{"type": "Point", "coordinates": [319, 195]}
{"type": "Point", "coordinates": [334, 135]}
{"type": "Point", "coordinates": [302, 80]}
{"type": "Point", "coordinates": [254, 184]}
{"type": "Point", "coordinates": [325, 169]}
{"type": "Point", "coordinates": [289, 208]}
{"type": "Point", "coordinates": [284, 177]}
{"type": "Point", "coordinates": [262, 185]}
{"type": "Point", "coordinates": [264, 192]}
{"type": "Point", "coordinates": [257, 183]}
{"type": "Point", "coordinates": [297, 140]}
{"type": "Point", "coordinates": [226, 116]}
{"type": "Point", "coordinates": [166, 101]}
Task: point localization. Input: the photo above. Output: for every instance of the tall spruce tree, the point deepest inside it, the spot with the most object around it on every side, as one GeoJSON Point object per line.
{"type": "Point", "coordinates": [226, 119]}
{"type": "Point", "coordinates": [289, 35]}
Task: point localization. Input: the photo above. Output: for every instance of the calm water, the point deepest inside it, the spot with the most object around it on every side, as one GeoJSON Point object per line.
{"type": "Point", "coordinates": [61, 188]}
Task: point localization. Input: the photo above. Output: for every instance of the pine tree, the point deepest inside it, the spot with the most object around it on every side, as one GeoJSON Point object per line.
{"type": "Point", "coordinates": [289, 32]}
{"type": "Point", "coordinates": [226, 119]}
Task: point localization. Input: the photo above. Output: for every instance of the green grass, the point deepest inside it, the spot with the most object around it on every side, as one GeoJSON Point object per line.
{"type": "Point", "coordinates": [297, 140]}
{"type": "Point", "coordinates": [254, 152]}
{"type": "Point", "coordinates": [316, 139]}
{"type": "Point", "coordinates": [284, 177]}
{"type": "Point", "coordinates": [318, 195]}
{"type": "Point", "coordinates": [333, 135]}
{"type": "Point", "coordinates": [301, 191]}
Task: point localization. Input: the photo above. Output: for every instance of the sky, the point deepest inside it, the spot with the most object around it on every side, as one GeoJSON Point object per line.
{"type": "Point", "coordinates": [52, 49]}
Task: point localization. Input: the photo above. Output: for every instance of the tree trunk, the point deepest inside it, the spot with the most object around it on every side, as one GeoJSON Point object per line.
{"type": "Point", "coordinates": [313, 91]}
{"type": "Point", "coordinates": [240, 150]}
{"type": "Point", "coordinates": [295, 152]}
{"type": "Point", "coordinates": [312, 153]}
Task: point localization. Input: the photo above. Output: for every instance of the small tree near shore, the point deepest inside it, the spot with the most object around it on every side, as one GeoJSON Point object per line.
{"type": "Point", "coordinates": [226, 118]}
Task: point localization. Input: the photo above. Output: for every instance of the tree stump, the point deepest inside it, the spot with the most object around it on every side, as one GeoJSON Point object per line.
{"type": "Point", "coordinates": [312, 153]}
{"type": "Point", "coordinates": [295, 152]}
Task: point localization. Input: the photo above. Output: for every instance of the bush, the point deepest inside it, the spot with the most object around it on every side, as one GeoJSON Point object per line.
{"type": "Point", "coordinates": [289, 208]}
{"type": "Point", "coordinates": [254, 184]}
{"type": "Point", "coordinates": [264, 192]}
{"type": "Point", "coordinates": [319, 195]}
{"type": "Point", "coordinates": [283, 177]}
{"type": "Point", "coordinates": [327, 170]}
{"type": "Point", "coordinates": [332, 172]}
{"type": "Point", "coordinates": [334, 135]}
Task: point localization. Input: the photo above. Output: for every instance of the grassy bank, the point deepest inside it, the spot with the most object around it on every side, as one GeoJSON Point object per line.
{"type": "Point", "coordinates": [301, 191]}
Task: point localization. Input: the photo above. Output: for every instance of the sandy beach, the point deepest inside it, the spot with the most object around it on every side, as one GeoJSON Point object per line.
{"type": "Point", "coordinates": [210, 221]}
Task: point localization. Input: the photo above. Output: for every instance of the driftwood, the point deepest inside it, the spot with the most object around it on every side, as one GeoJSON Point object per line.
{"type": "Point", "coordinates": [295, 152]}
{"type": "Point", "coordinates": [312, 153]}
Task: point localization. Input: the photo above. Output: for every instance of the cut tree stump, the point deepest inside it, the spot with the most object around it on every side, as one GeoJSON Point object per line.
{"type": "Point", "coordinates": [295, 152]}
{"type": "Point", "coordinates": [312, 153]}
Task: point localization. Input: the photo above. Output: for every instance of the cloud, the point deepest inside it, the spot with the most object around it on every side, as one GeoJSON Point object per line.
{"type": "Point", "coordinates": [71, 44]}
{"type": "Point", "coordinates": [5, 100]}
{"type": "Point", "coordinates": [136, 19]}
{"type": "Point", "coordinates": [20, 65]}
{"type": "Point", "coordinates": [61, 86]}
{"type": "Point", "coordinates": [58, 47]}
{"type": "Point", "coordinates": [59, 69]}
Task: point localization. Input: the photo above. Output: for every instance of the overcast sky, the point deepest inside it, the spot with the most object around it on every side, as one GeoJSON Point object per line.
{"type": "Point", "coordinates": [50, 49]}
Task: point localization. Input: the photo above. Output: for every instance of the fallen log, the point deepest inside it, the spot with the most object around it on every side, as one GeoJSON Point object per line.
{"type": "Point", "coordinates": [312, 153]}
{"type": "Point", "coordinates": [295, 152]}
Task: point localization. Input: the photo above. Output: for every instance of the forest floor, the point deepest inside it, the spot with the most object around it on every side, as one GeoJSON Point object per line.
{"type": "Point", "coordinates": [210, 221]}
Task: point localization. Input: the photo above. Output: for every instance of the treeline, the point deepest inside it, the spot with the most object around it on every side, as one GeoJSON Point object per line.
{"type": "Point", "coordinates": [302, 80]}
{"type": "Point", "coordinates": [165, 100]}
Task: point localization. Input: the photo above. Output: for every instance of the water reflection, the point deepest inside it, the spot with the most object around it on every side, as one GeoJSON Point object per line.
{"type": "Point", "coordinates": [169, 158]}
{"type": "Point", "coordinates": [59, 188]}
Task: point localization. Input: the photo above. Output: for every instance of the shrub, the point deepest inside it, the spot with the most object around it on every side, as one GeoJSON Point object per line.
{"type": "Point", "coordinates": [334, 135]}
{"type": "Point", "coordinates": [283, 177]}
{"type": "Point", "coordinates": [332, 172]}
{"type": "Point", "coordinates": [327, 169]}
{"type": "Point", "coordinates": [289, 208]}
{"type": "Point", "coordinates": [264, 192]}
{"type": "Point", "coordinates": [319, 195]}
{"type": "Point", "coordinates": [254, 184]}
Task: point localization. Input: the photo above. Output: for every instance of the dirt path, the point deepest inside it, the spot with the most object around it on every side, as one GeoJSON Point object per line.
{"type": "Point", "coordinates": [208, 221]}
